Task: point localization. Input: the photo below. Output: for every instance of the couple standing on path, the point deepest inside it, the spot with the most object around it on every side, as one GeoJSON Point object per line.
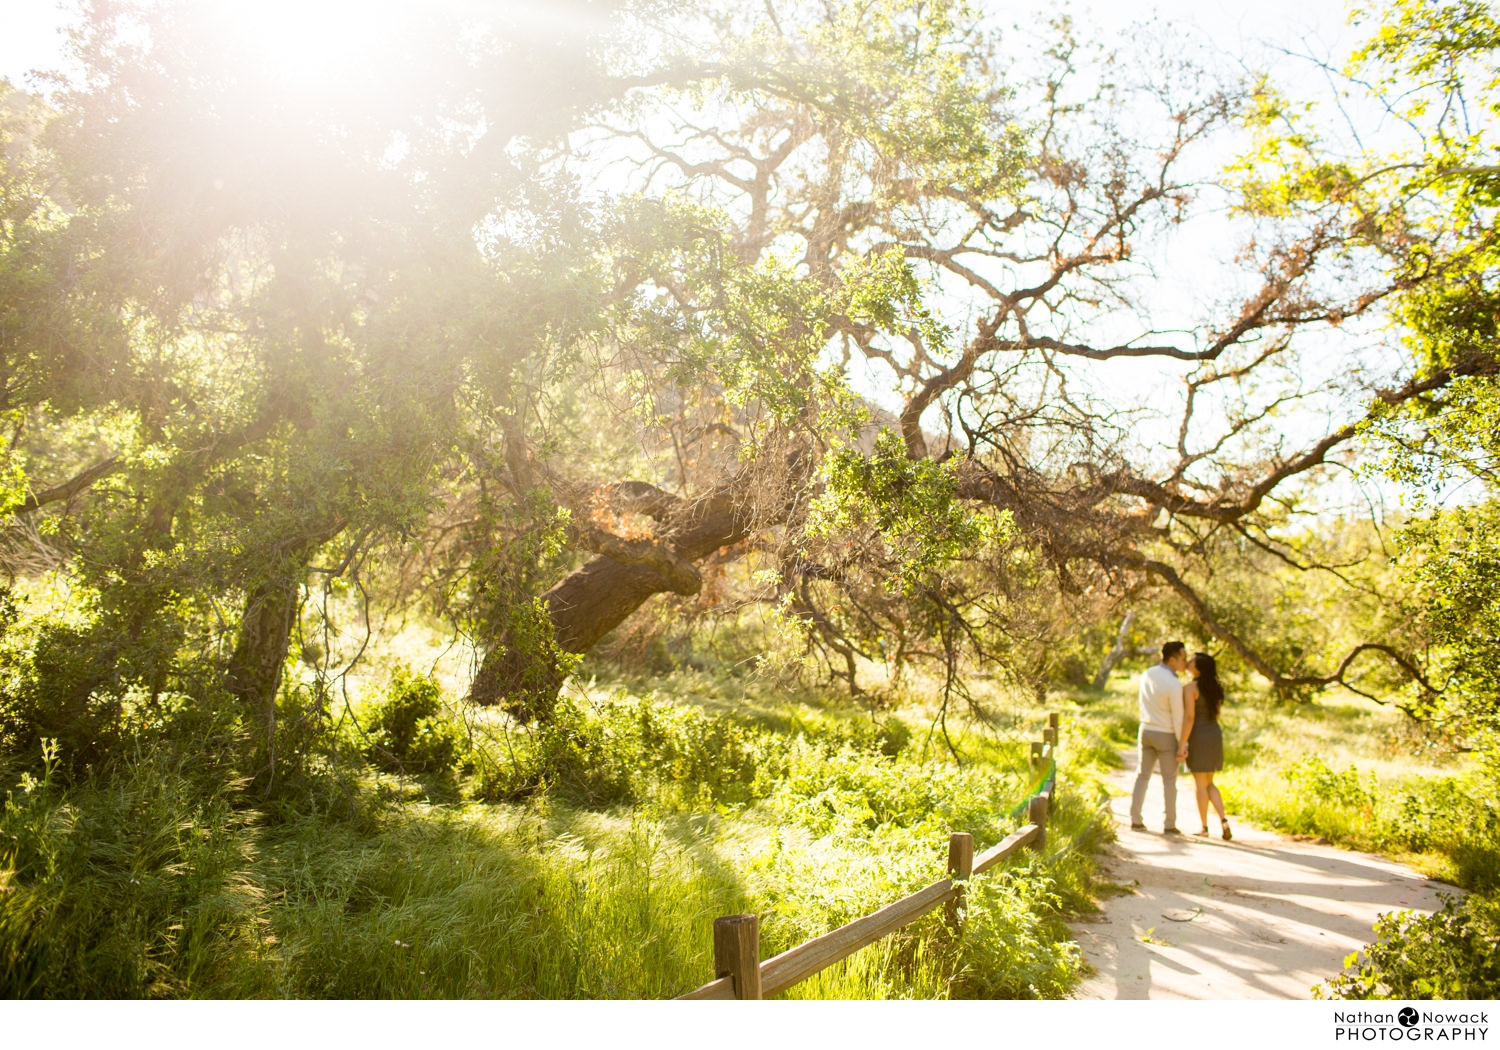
{"type": "Point", "coordinates": [1180, 723]}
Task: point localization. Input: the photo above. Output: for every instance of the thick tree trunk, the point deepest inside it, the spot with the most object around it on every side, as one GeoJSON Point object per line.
{"type": "Point", "coordinates": [265, 634]}
{"type": "Point", "coordinates": [520, 673]}
{"type": "Point", "coordinates": [597, 598]}
{"type": "Point", "coordinates": [255, 668]}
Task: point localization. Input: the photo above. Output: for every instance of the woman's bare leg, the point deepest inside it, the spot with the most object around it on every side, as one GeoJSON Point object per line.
{"type": "Point", "coordinates": [1211, 792]}
{"type": "Point", "coordinates": [1203, 783]}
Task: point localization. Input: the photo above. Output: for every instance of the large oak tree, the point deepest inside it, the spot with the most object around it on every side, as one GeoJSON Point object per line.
{"type": "Point", "coordinates": [559, 309]}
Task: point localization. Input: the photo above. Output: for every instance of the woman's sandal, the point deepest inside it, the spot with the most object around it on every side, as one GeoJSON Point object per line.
{"type": "Point", "coordinates": [1203, 833]}
{"type": "Point", "coordinates": [1227, 833]}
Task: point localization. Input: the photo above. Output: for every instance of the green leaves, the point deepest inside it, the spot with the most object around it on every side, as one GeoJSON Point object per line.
{"type": "Point", "coordinates": [1451, 561]}
{"type": "Point", "coordinates": [697, 316]}
{"type": "Point", "coordinates": [881, 290]}
{"type": "Point", "coordinates": [409, 730]}
{"type": "Point", "coordinates": [907, 82]}
{"type": "Point", "coordinates": [1447, 955]}
{"type": "Point", "coordinates": [911, 504]}
{"type": "Point", "coordinates": [1444, 49]}
{"type": "Point", "coordinates": [1428, 209]}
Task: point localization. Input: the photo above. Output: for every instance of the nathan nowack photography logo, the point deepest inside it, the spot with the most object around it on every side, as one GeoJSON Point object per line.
{"type": "Point", "coordinates": [1410, 1025]}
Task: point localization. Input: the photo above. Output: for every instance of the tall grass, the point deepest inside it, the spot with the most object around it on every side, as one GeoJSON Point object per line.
{"type": "Point", "coordinates": [507, 903]}
{"type": "Point", "coordinates": [582, 859]}
{"type": "Point", "coordinates": [136, 882]}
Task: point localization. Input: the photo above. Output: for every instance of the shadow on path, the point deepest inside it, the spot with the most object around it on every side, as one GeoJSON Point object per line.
{"type": "Point", "coordinates": [1261, 917]}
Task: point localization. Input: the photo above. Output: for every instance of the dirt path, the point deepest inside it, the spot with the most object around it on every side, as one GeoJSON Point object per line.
{"type": "Point", "coordinates": [1261, 917]}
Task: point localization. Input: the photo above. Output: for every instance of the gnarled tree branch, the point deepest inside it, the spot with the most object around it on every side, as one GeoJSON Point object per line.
{"type": "Point", "coordinates": [70, 488]}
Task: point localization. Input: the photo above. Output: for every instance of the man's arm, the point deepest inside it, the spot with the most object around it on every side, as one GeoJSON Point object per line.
{"type": "Point", "coordinates": [1174, 704]}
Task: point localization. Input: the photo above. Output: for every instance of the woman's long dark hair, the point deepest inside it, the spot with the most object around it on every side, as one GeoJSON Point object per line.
{"type": "Point", "coordinates": [1208, 682]}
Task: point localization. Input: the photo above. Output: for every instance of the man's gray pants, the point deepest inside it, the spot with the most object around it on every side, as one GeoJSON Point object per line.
{"type": "Point", "coordinates": [1156, 749]}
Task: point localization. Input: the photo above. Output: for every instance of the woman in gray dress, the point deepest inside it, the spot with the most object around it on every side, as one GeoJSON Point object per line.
{"type": "Point", "coordinates": [1204, 748]}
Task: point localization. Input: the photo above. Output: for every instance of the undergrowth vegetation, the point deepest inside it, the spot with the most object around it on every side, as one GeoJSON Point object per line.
{"type": "Point", "coordinates": [437, 855]}
{"type": "Point", "coordinates": [136, 882]}
{"type": "Point", "coordinates": [1448, 955]}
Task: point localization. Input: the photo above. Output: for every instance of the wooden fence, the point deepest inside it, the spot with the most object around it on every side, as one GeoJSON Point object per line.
{"type": "Point", "coordinates": [739, 972]}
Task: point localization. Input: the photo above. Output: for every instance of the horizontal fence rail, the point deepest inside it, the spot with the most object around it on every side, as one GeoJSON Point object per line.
{"type": "Point", "coordinates": [740, 974]}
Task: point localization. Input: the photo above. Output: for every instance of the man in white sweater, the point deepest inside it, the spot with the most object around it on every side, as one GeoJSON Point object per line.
{"type": "Point", "coordinates": [1161, 733]}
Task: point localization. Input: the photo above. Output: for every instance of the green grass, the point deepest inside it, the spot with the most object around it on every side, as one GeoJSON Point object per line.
{"type": "Point", "coordinates": [137, 884]}
{"type": "Point", "coordinates": [495, 902]}
{"type": "Point", "coordinates": [586, 860]}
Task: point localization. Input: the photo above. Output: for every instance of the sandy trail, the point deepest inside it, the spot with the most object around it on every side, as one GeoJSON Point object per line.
{"type": "Point", "coordinates": [1261, 917]}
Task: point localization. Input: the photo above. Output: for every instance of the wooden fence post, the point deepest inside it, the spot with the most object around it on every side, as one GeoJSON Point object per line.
{"type": "Point", "coordinates": [737, 953]}
{"type": "Point", "coordinates": [960, 867]}
{"type": "Point", "coordinates": [1036, 753]}
{"type": "Point", "coordinates": [1049, 735]}
{"type": "Point", "coordinates": [1038, 816]}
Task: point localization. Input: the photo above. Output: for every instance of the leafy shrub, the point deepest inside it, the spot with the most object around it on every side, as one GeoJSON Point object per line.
{"type": "Point", "coordinates": [54, 691]}
{"type": "Point", "coordinates": [719, 757]}
{"type": "Point", "coordinates": [1454, 816]}
{"type": "Point", "coordinates": [410, 732]}
{"type": "Point", "coordinates": [1317, 780]}
{"type": "Point", "coordinates": [589, 760]}
{"type": "Point", "coordinates": [1450, 954]}
{"type": "Point", "coordinates": [625, 750]}
{"type": "Point", "coordinates": [1014, 943]}
{"type": "Point", "coordinates": [852, 792]}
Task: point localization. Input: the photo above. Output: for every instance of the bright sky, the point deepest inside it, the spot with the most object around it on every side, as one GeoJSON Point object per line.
{"type": "Point", "coordinates": [29, 35]}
